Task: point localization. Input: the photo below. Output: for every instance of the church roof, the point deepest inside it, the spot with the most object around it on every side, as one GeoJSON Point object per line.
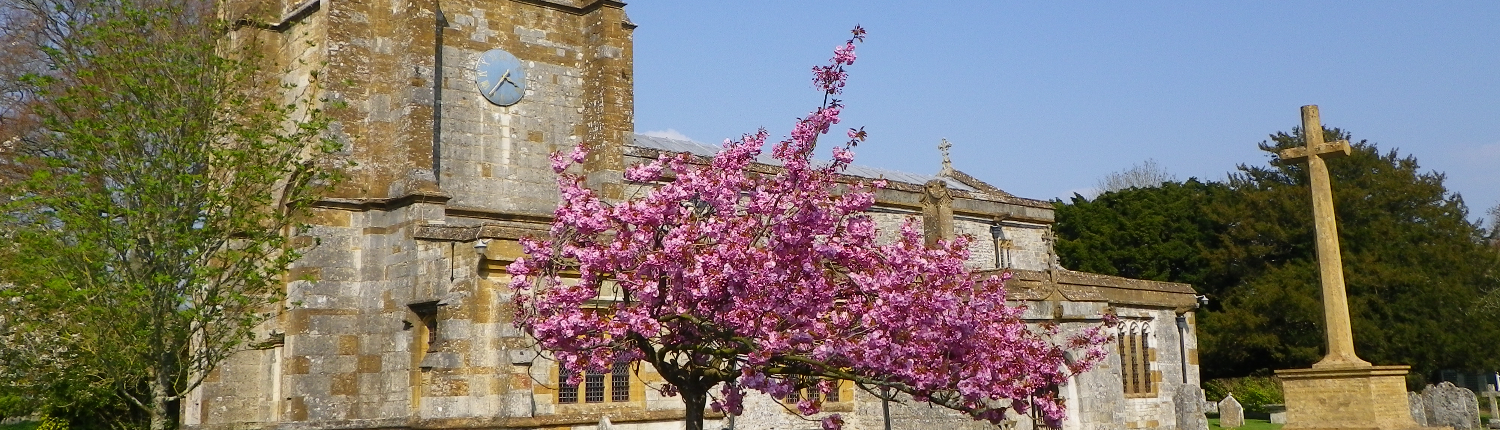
{"type": "Point", "coordinates": [705, 150]}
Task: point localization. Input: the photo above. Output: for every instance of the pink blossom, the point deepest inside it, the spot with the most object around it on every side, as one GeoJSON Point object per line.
{"type": "Point", "coordinates": [844, 54]}
{"type": "Point", "coordinates": [842, 155]}
{"type": "Point", "coordinates": [561, 161]}
{"type": "Point", "coordinates": [755, 280]}
{"type": "Point", "coordinates": [832, 422]}
{"type": "Point", "coordinates": [645, 172]}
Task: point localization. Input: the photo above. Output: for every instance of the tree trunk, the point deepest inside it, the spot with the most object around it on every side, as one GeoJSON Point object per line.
{"type": "Point", "coordinates": [695, 400]}
{"type": "Point", "coordinates": [163, 414]}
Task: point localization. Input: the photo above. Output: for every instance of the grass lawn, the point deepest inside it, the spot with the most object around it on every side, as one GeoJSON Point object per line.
{"type": "Point", "coordinates": [20, 426]}
{"type": "Point", "coordinates": [1250, 424]}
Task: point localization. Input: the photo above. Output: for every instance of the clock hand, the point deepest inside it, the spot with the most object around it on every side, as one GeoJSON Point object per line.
{"type": "Point", "coordinates": [503, 78]}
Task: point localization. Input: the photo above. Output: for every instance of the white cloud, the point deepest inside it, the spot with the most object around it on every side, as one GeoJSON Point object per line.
{"type": "Point", "coordinates": [668, 133]}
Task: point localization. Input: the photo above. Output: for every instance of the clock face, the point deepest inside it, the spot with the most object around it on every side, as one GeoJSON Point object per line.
{"type": "Point", "coordinates": [500, 77]}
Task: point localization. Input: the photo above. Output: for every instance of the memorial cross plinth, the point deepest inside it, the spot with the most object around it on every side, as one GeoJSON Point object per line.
{"type": "Point", "coordinates": [1341, 391]}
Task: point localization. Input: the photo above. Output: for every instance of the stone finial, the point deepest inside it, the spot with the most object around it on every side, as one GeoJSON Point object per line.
{"type": "Point", "coordinates": [947, 162]}
{"type": "Point", "coordinates": [937, 212]}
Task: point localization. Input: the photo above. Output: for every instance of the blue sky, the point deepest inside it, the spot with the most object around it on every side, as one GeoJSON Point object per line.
{"type": "Point", "coordinates": [1043, 98]}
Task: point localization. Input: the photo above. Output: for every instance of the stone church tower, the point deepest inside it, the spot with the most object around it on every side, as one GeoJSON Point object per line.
{"type": "Point", "coordinates": [399, 314]}
{"type": "Point", "coordinates": [391, 323]}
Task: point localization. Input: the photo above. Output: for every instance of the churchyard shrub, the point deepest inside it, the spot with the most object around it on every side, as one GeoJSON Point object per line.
{"type": "Point", "coordinates": [13, 405]}
{"type": "Point", "coordinates": [1253, 392]}
{"type": "Point", "coordinates": [53, 423]}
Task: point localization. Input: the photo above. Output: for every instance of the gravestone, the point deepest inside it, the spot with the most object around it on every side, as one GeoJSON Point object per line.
{"type": "Point", "coordinates": [1188, 404]}
{"type": "Point", "coordinates": [1494, 409]}
{"type": "Point", "coordinates": [1450, 405]}
{"type": "Point", "coordinates": [1277, 412]}
{"type": "Point", "coordinates": [18, 420]}
{"type": "Point", "coordinates": [1418, 411]}
{"type": "Point", "coordinates": [1210, 407]}
{"type": "Point", "coordinates": [1231, 414]}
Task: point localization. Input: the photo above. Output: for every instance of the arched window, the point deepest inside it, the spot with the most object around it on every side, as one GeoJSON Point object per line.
{"type": "Point", "coordinates": [594, 385]}
{"type": "Point", "coordinates": [815, 395]}
{"type": "Point", "coordinates": [1135, 358]}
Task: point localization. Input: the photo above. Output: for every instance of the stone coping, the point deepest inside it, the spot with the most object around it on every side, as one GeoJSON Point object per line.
{"type": "Point", "coordinates": [1343, 372]}
{"type": "Point", "coordinates": [1063, 284]}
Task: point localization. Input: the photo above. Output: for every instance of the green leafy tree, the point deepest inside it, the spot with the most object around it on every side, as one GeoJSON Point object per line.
{"type": "Point", "coordinates": [1416, 269]}
{"type": "Point", "coordinates": [1159, 233]}
{"type": "Point", "coordinates": [1418, 273]}
{"type": "Point", "coordinates": [153, 227]}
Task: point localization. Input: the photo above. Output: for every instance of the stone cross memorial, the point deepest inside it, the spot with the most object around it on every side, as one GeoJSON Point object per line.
{"type": "Point", "coordinates": [1330, 263]}
{"type": "Point", "coordinates": [1341, 391]}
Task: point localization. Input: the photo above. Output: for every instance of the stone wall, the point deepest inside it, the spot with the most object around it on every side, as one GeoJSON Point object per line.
{"type": "Point", "coordinates": [381, 61]}
{"type": "Point", "coordinates": [1026, 245]}
{"type": "Point", "coordinates": [494, 157]}
{"type": "Point", "coordinates": [1097, 396]}
{"type": "Point", "coordinates": [1029, 247]}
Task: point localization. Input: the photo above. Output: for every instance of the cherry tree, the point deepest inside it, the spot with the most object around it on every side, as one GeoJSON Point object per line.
{"type": "Point", "coordinates": [727, 279]}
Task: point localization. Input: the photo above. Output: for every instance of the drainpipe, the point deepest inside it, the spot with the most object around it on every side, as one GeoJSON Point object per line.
{"type": "Point", "coordinates": [437, 94]}
{"type": "Point", "coordinates": [1182, 331]}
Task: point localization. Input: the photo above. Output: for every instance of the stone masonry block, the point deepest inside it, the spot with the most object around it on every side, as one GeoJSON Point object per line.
{"type": "Point", "coordinates": [522, 356]}
{"type": "Point", "coordinates": [348, 344]}
{"type": "Point", "coordinates": [344, 274]}
{"type": "Point", "coordinates": [329, 364]}
{"type": "Point", "coordinates": [331, 324]}
{"type": "Point", "coordinates": [371, 386]}
{"type": "Point", "coordinates": [314, 386]}
{"type": "Point", "coordinates": [368, 364]}
{"type": "Point", "coordinates": [457, 329]}
{"type": "Point", "coordinates": [398, 383]}
{"type": "Point", "coordinates": [344, 384]}
{"type": "Point", "coordinates": [312, 345]}
{"type": "Point", "coordinates": [296, 409]}
{"type": "Point", "coordinates": [299, 365]}
{"type": "Point", "coordinates": [326, 409]}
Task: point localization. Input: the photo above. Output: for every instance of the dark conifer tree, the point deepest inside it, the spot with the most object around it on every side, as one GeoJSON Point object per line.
{"type": "Point", "coordinates": [1419, 275]}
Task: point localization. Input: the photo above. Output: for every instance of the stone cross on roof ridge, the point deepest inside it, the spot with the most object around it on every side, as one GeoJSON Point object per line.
{"type": "Point", "coordinates": [947, 162]}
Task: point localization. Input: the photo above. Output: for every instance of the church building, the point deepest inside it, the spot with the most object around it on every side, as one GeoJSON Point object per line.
{"type": "Point", "coordinates": [399, 314]}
